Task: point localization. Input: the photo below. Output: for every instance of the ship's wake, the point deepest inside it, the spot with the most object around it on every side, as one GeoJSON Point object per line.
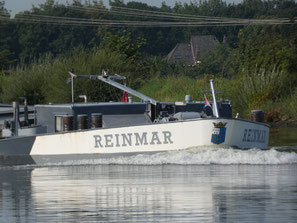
{"type": "Point", "coordinates": [200, 156]}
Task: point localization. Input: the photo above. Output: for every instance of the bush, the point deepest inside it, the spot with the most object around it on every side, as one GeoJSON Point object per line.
{"type": "Point", "coordinates": [290, 105]}
{"type": "Point", "coordinates": [44, 81]}
{"type": "Point", "coordinates": [23, 83]}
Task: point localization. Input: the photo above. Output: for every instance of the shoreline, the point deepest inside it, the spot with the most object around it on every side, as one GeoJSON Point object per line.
{"type": "Point", "coordinates": [281, 124]}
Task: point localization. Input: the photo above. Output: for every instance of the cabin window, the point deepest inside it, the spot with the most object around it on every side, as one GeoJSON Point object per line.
{"type": "Point", "coordinates": [59, 123]}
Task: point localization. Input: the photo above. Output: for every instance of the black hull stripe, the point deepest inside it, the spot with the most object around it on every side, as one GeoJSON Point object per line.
{"type": "Point", "coordinates": [17, 146]}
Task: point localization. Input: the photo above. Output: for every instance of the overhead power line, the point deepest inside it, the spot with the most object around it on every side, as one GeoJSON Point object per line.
{"type": "Point", "coordinates": [160, 19]}
{"type": "Point", "coordinates": [128, 12]}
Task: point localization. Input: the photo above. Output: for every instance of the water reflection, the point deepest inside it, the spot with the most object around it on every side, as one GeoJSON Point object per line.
{"type": "Point", "coordinates": [15, 195]}
{"type": "Point", "coordinates": [163, 193]}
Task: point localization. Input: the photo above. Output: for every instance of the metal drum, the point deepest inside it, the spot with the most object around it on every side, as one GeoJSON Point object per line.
{"type": "Point", "coordinates": [188, 98]}
{"type": "Point", "coordinates": [67, 123]}
{"type": "Point", "coordinates": [257, 115]}
{"type": "Point", "coordinates": [96, 120]}
{"type": "Point", "coordinates": [82, 122]}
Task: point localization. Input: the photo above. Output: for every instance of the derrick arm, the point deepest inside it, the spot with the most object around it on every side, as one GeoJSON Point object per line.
{"type": "Point", "coordinates": [110, 80]}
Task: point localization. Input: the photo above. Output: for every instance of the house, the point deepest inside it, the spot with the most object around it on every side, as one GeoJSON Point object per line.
{"type": "Point", "coordinates": [190, 53]}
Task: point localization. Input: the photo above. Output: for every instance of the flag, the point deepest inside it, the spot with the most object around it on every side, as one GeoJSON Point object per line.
{"type": "Point", "coordinates": [125, 97]}
{"type": "Point", "coordinates": [69, 79]}
{"type": "Point", "coordinates": [206, 103]}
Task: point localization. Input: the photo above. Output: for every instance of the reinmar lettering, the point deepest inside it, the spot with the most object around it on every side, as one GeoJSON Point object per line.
{"type": "Point", "coordinates": [254, 135]}
{"type": "Point", "coordinates": [132, 139]}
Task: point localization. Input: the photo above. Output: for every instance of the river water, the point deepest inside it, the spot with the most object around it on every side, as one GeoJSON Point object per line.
{"type": "Point", "coordinates": [195, 185]}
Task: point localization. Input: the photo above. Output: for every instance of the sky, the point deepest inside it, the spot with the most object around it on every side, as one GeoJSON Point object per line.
{"type": "Point", "coordinates": [15, 6]}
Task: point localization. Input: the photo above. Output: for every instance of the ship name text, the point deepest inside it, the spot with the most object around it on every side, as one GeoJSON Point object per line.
{"type": "Point", "coordinates": [132, 139]}
{"type": "Point", "coordinates": [254, 135]}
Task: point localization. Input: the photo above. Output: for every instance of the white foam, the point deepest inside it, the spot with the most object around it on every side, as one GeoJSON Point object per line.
{"type": "Point", "coordinates": [200, 155]}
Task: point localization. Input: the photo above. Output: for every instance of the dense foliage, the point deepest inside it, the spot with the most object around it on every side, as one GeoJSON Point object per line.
{"type": "Point", "coordinates": [255, 66]}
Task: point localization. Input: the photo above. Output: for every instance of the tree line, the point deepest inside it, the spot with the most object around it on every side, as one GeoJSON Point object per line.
{"type": "Point", "coordinates": [23, 42]}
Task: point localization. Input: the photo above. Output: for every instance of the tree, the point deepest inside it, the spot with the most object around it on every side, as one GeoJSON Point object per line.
{"type": "Point", "coordinates": [267, 64]}
{"type": "Point", "coordinates": [220, 61]}
{"type": "Point", "coordinates": [123, 42]}
{"type": "Point", "coordinates": [5, 59]}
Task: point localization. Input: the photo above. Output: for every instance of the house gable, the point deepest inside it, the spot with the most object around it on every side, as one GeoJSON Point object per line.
{"type": "Point", "coordinates": [190, 54]}
{"type": "Point", "coordinates": [181, 53]}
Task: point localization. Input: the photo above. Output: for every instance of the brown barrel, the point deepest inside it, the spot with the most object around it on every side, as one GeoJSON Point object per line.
{"type": "Point", "coordinates": [257, 116]}
{"type": "Point", "coordinates": [82, 122]}
{"type": "Point", "coordinates": [67, 123]}
{"type": "Point", "coordinates": [96, 120]}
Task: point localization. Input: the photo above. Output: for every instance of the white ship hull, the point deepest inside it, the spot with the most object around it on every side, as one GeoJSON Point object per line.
{"type": "Point", "coordinates": [148, 138]}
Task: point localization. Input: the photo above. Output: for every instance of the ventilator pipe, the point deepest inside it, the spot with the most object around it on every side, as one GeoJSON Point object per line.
{"type": "Point", "coordinates": [16, 112]}
{"type": "Point", "coordinates": [130, 99]}
{"type": "Point", "coordinates": [84, 97]}
{"type": "Point", "coordinates": [26, 115]}
{"type": "Point", "coordinates": [214, 105]}
{"type": "Point", "coordinates": [188, 98]}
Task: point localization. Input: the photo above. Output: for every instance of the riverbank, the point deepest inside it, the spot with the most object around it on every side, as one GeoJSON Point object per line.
{"type": "Point", "coordinates": [283, 134]}
{"type": "Point", "coordinates": [290, 123]}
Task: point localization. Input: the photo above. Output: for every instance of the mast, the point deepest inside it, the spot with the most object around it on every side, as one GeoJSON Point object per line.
{"type": "Point", "coordinates": [215, 105]}
{"type": "Point", "coordinates": [72, 87]}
